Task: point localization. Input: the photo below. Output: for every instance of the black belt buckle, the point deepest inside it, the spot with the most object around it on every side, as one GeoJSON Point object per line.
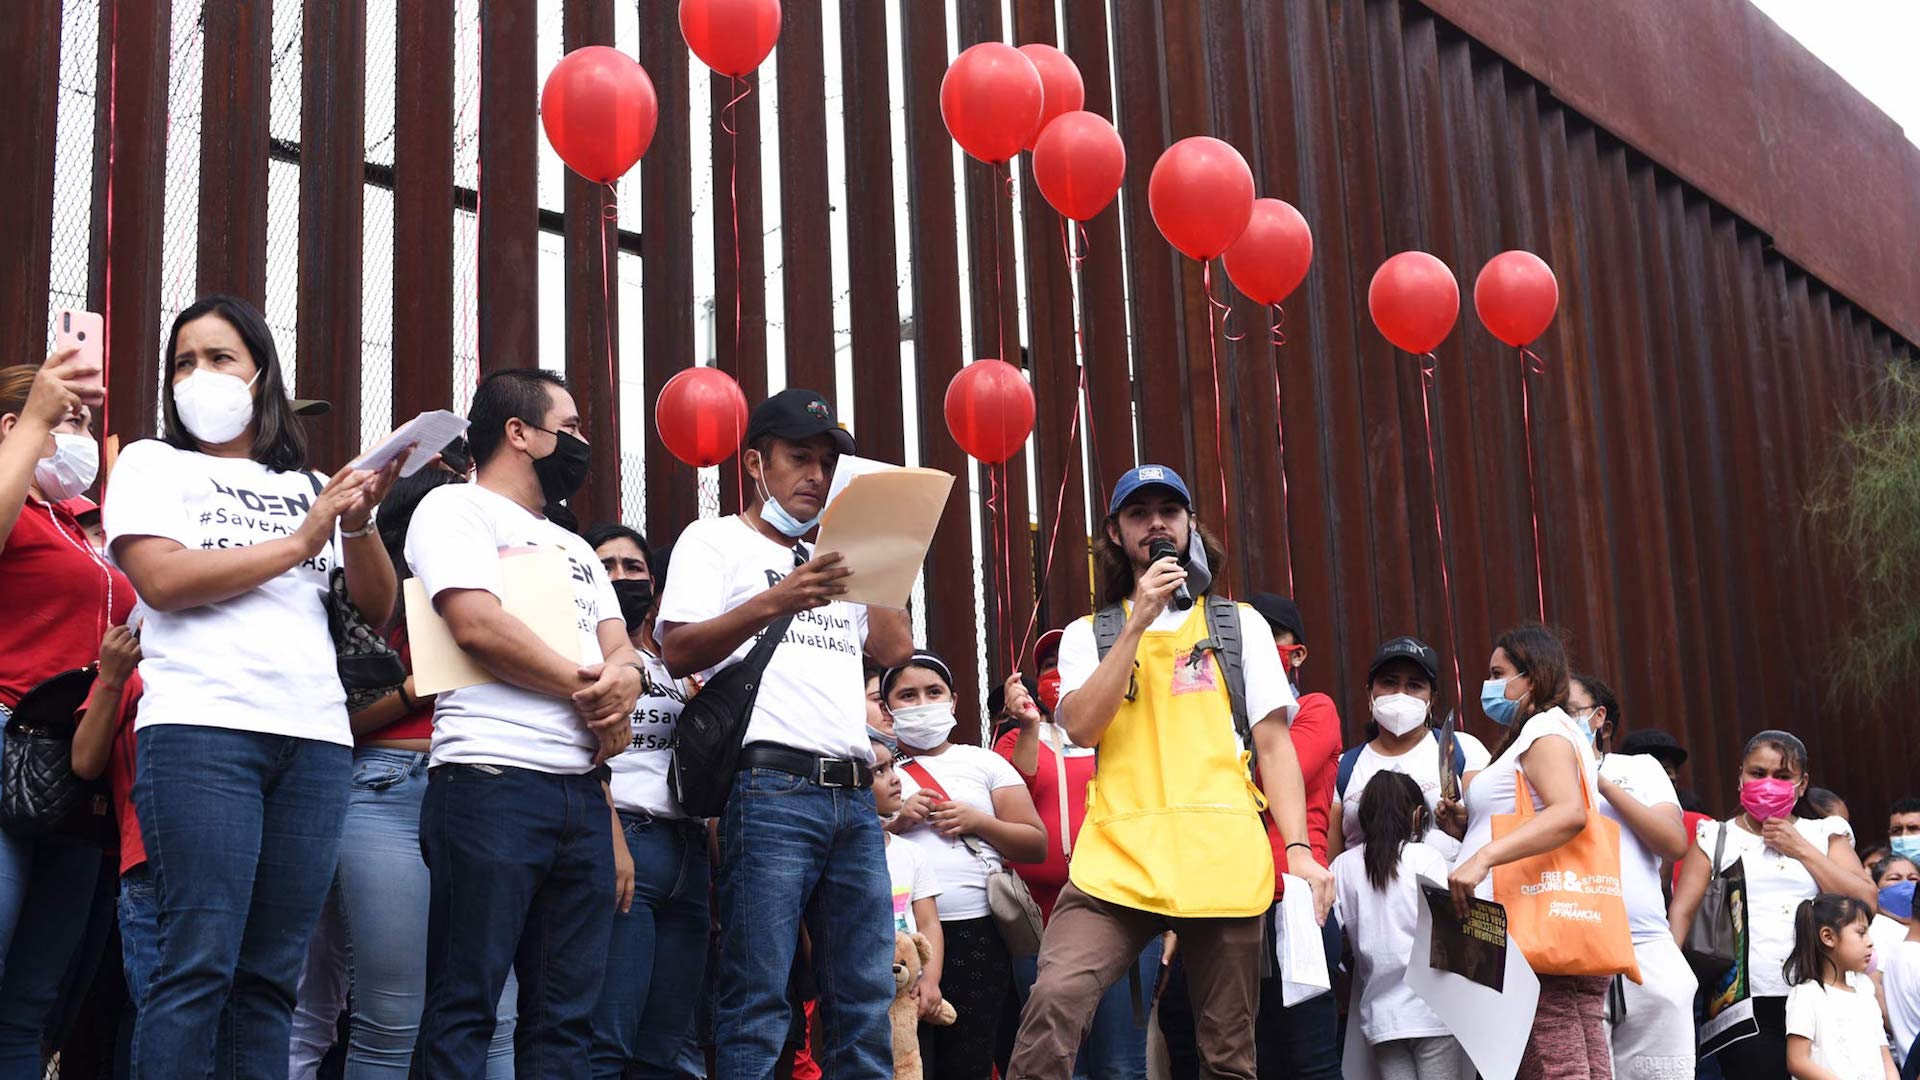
{"type": "Point", "coordinates": [837, 773]}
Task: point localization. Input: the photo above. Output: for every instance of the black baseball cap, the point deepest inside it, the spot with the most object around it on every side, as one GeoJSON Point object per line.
{"type": "Point", "coordinates": [1406, 648]}
{"type": "Point", "coordinates": [1656, 744]}
{"type": "Point", "coordinates": [797, 414]}
{"type": "Point", "coordinates": [1281, 614]}
{"type": "Point", "coordinates": [310, 407]}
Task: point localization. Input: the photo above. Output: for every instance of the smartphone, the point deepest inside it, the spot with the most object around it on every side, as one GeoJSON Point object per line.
{"type": "Point", "coordinates": [85, 331]}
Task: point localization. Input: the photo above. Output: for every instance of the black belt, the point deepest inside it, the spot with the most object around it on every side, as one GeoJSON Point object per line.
{"type": "Point", "coordinates": [825, 771]}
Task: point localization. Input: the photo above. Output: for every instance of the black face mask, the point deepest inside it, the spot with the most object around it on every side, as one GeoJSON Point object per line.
{"type": "Point", "coordinates": [562, 472]}
{"type": "Point", "coordinates": [636, 599]}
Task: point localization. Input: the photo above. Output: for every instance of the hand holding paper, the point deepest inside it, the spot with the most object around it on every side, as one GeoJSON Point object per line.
{"type": "Point", "coordinates": [419, 439]}
{"type": "Point", "coordinates": [880, 519]}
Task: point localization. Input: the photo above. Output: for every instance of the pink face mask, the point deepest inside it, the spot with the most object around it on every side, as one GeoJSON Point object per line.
{"type": "Point", "coordinates": [1768, 798]}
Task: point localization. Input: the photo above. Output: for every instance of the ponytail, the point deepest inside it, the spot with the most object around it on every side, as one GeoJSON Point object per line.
{"type": "Point", "coordinates": [1829, 911]}
{"type": "Point", "coordinates": [1392, 813]}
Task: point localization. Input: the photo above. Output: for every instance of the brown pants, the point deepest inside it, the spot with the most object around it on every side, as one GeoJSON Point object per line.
{"type": "Point", "coordinates": [1089, 944]}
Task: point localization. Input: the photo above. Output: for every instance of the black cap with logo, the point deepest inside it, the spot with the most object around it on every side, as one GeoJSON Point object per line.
{"type": "Point", "coordinates": [1406, 648]}
{"type": "Point", "coordinates": [1281, 614]}
{"type": "Point", "coordinates": [797, 414]}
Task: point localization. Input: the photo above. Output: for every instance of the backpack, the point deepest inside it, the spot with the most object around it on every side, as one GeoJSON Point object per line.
{"type": "Point", "coordinates": [1352, 755]}
{"type": "Point", "coordinates": [1223, 640]}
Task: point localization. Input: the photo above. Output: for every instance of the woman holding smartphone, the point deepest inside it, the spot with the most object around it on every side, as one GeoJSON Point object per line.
{"type": "Point", "coordinates": [245, 752]}
{"type": "Point", "coordinates": [61, 598]}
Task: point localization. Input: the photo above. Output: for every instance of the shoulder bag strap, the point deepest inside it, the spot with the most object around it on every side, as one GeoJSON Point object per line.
{"type": "Point", "coordinates": [1719, 847]}
{"type": "Point", "coordinates": [1223, 625]}
{"type": "Point", "coordinates": [1344, 775]}
{"type": "Point", "coordinates": [1107, 624]}
{"type": "Point", "coordinates": [1059, 749]}
{"type": "Point", "coordinates": [925, 779]}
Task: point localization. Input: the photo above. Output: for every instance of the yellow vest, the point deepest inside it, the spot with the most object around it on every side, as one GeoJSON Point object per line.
{"type": "Point", "coordinates": [1173, 817]}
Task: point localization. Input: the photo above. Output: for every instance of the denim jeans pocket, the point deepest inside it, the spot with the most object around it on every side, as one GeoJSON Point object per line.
{"type": "Point", "coordinates": [769, 782]}
{"type": "Point", "coordinates": [377, 775]}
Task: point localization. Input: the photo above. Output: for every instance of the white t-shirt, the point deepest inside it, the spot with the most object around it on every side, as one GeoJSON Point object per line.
{"type": "Point", "coordinates": [261, 661]}
{"type": "Point", "coordinates": [1645, 779]}
{"type": "Point", "coordinates": [1380, 925]}
{"type": "Point", "coordinates": [968, 774]}
{"type": "Point", "coordinates": [1900, 979]}
{"type": "Point", "coordinates": [813, 696]}
{"type": "Point", "coordinates": [1776, 884]}
{"type": "Point", "coordinates": [1492, 791]}
{"type": "Point", "coordinates": [1885, 932]}
{"type": "Point", "coordinates": [457, 537]}
{"type": "Point", "coordinates": [912, 880]}
{"type": "Point", "coordinates": [1422, 763]}
{"type": "Point", "coordinates": [1844, 1027]}
{"type": "Point", "coordinates": [1268, 690]}
{"type": "Point", "coordinates": [640, 771]}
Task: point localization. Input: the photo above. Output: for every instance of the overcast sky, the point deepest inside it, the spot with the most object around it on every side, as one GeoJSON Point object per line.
{"type": "Point", "coordinates": [1869, 42]}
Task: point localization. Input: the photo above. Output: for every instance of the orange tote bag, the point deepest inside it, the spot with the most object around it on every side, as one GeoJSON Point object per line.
{"type": "Point", "coordinates": [1564, 907]}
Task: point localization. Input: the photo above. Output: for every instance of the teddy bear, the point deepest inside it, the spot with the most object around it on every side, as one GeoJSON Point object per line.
{"type": "Point", "coordinates": [910, 954]}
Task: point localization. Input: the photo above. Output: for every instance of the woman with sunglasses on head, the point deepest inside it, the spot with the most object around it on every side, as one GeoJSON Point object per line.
{"type": "Point", "coordinates": [969, 812]}
{"type": "Point", "coordinates": [1787, 859]}
{"type": "Point", "coordinates": [62, 600]}
{"type": "Point", "coordinates": [245, 759]}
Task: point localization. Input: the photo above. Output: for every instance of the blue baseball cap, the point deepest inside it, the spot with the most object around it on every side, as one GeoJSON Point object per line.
{"type": "Point", "coordinates": [1142, 476]}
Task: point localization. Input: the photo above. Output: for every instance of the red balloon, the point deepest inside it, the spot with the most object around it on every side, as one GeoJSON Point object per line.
{"type": "Point", "coordinates": [1078, 164]}
{"type": "Point", "coordinates": [990, 410]}
{"type": "Point", "coordinates": [991, 99]}
{"type": "Point", "coordinates": [599, 111]}
{"type": "Point", "coordinates": [1062, 90]}
{"type": "Point", "coordinates": [701, 415]}
{"type": "Point", "coordinates": [1516, 297]}
{"type": "Point", "coordinates": [1271, 258]}
{"type": "Point", "coordinates": [1414, 300]}
{"type": "Point", "coordinates": [730, 36]}
{"type": "Point", "coordinates": [1201, 193]}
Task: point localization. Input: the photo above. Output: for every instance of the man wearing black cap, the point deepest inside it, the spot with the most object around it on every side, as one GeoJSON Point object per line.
{"type": "Point", "coordinates": [799, 836]}
{"type": "Point", "coordinates": [1177, 690]}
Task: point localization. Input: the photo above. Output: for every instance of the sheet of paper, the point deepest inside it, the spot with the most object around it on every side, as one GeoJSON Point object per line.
{"type": "Point", "coordinates": [882, 523]}
{"type": "Point", "coordinates": [535, 588]}
{"type": "Point", "coordinates": [1492, 1025]}
{"type": "Point", "coordinates": [428, 434]}
{"type": "Point", "coordinates": [848, 467]}
{"type": "Point", "coordinates": [1298, 946]}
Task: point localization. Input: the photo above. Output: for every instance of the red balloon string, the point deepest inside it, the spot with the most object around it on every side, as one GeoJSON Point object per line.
{"type": "Point", "coordinates": [106, 257]}
{"type": "Point", "coordinates": [1530, 363]}
{"type": "Point", "coordinates": [731, 126]}
{"type": "Point", "coordinates": [1427, 363]}
{"type": "Point", "coordinates": [1059, 507]}
{"type": "Point", "coordinates": [1213, 357]}
{"type": "Point", "coordinates": [1001, 589]}
{"type": "Point", "coordinates": [999, 286]}
{"type": "Point", "coordinates": [1280, 442]}
{"type": "Point", "coordinates": [1278, 329]}
{"type": "Point", "coordinates": [610, 215]}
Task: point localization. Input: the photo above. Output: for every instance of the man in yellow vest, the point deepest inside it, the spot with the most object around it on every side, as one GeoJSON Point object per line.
{"type": "Point", "coordinates": [1180, 692]}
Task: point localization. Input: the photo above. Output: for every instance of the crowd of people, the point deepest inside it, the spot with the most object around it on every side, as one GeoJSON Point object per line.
{"type": "Point", "coordinates": [307, 875]}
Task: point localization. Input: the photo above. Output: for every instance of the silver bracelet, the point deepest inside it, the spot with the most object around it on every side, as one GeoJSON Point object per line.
{"type": "Point", "coordinates": [364, 530]}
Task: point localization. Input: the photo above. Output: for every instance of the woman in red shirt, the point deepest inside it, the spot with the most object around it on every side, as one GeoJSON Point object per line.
{"type": "Point", "coordinates": [61, 597]}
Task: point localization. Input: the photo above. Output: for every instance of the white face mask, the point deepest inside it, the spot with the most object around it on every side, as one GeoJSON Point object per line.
{"type": "Point", "coordinates": [1399, 713]}
{"type": "Point", "coordinates": [924, 727]}
{"type": "Point", "coordinates": [215, 408]}
{"type": "Point", "coordinates": [71, 469]}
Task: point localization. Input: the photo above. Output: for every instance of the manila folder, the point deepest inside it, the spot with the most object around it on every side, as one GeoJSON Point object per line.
{"type": "Point", "coordinates": [535, 588]}
{"type": "Point", "coordinates": [882, 524]}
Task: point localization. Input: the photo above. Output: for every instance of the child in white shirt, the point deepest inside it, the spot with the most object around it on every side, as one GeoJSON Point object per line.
{"type": "Point", "coordinates": [1377, 893]}
{"type": "Point", "coordinates": [914, 883]}
{"type": "Point", "coordinates": [1834, 1025]}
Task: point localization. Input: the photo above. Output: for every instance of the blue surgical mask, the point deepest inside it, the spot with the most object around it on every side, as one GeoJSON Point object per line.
{"type": "Point", "coordinates": [1586, 725]}
{"type": "Point", "coordinates": [1494, 702]}
{"type": "Point", "coordinates": [776, 515]}
{"type": "Point", "coordinates": [1907, 847]}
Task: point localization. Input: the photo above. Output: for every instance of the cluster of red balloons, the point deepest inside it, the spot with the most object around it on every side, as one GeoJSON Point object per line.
{"type": "Point", "coordinates": [1414, 299]}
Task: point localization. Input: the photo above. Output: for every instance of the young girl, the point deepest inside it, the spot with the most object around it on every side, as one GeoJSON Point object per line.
{"type": "Point", "coordinates": [1377, 894]}
{"type": "Point", "coordinates": [914, 883]}
{"type": "Point", "coordinates": [1834, 1027]}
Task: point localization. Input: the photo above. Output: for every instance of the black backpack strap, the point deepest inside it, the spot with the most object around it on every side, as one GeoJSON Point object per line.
{"type": "Point", "coordinates": [1345, 771]}
{"type": "Point", "coordinates": [1223, 631]}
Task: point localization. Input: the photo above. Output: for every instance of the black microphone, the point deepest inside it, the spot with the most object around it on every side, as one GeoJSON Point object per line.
{"type": "Point", "coordinates": [1163, 549]}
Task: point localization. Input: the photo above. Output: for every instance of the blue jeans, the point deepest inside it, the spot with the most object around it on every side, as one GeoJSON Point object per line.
{"type": "Point", "coordinates": [792, 849]}
{"type": "Point", "coordinates": [521, 878]}
{"type": "Point", "coordinates": [242, 832]}
{"type": "Point", "coordinates": [373, 933]}
{"type": "Point", "coordinates": [139, 932]}
{"type": "Point", "coordinates": [44, 893]}
{"type": "Point", "coordinates": [1115, 1047]}
{"type": "Point", "coordinates": [660, 942]}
